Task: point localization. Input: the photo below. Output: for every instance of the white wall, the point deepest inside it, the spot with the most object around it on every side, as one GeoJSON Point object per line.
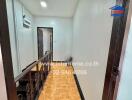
{"type": "Point", "coordinates": [22, 39]}
{"type": "Point", "coordinates": [62, 35]}
{"type": "Point", "coordinates": [24, 45]}
{"type": "Point", "coordinates": [125, 88]}
{"type": "Point", "coordinates": [24, 36]}
{"type": "Point", "coordinates": [12, 37]}
{"type": "Point", "coordinates": [91, 38]}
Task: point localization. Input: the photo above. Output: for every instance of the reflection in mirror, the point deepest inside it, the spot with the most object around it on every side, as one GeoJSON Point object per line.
{"type": "Point", "coordinates": [26, 17]}
{"type": "Point", "coordinates": [47, 35]}
{"type": "Point", "coordinates": [40, 33]}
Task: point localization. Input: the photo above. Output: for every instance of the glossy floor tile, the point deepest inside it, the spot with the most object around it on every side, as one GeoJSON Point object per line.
{"type": "Point", "coordinates": [60, 84]}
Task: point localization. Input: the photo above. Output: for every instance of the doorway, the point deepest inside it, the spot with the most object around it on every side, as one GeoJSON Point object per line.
{"type": "Point", "coordinates": [45, 41]}
{"type": "Point", "coordinates": [113, 71]}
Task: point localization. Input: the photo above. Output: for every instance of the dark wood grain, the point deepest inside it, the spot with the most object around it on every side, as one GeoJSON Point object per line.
{"type": "Point", "coordinates": [6, 52]}
{"type": "Point", "coordinates": [31, 83]}
{"type": "Point", "coordinates": [117, 37]}
{"type": "Point", "coordinates": [51, 39]}
{"type": "Point", "coordinates": [40, 43]}
{"type": "Point", "coordinates": [28, 69]}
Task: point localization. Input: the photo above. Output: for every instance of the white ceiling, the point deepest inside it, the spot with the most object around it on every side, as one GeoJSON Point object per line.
{"type": "Point", "coordinates": [58, 8]}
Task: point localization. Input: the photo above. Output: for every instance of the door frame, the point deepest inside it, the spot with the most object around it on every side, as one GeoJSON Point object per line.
{"type": "Point", "coordinates": [38, 41]}
{"type": "Point", "coordinates": [6, 53]}
{"type": "Point", "coordinates": [121, 57]}
{"type": "Point", "coordinates": [6, 50]}
{"type": "Point", "coordinates": [52, 38]}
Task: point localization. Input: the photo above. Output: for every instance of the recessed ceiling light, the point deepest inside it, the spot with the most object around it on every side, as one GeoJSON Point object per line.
{"type": "Point", "coordinates": [43, 4]}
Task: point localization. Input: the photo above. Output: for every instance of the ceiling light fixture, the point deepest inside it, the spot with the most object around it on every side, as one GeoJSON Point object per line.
{"type": "Point", "coordinates": [43, 4]}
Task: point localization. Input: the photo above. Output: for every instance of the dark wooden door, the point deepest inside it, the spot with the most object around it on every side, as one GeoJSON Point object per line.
{"type": "Point", "coordinates": [5, 55]}
{"type": "Point", "coordinates": [51, 42]}
{"type": "Point", "coordinates": [40, 43]}
{"type": "Point", "coordinates": [113, 72]}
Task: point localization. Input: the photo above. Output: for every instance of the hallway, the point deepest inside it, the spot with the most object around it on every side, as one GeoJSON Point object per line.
{"type": "Point", "coordinates": [64, 49]}
{"type": "Point", "coordinates": [60, 84]}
